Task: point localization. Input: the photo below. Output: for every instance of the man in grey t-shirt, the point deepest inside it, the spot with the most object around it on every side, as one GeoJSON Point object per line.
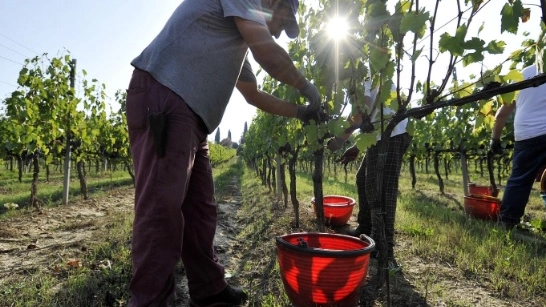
{"type": "Point", "coordinates": [178, 93]}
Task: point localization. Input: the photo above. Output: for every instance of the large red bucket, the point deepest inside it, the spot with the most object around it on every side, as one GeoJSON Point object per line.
{"type": "Point", "coordinates": [337, 209]}
{"type": "Point", "coordinates": [482, 207]}
{"type": "Point", "coordinates": [322, 269]}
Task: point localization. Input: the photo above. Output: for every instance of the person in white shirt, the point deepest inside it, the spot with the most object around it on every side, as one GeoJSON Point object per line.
{"type": "Point", "coordinates": [397, 146]}
{"type": "Point", "coordinates": [529, 150]}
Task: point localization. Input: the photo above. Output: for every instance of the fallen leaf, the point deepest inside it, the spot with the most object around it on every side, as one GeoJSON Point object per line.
{"type": "Point", "coordinates": [74, 263]}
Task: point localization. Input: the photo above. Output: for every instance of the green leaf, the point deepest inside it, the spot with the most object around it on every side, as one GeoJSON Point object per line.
{"type": "Point", "coordinates": [29, 138]}
{"type": "Point", "coordinates": [453, 44]}
{"type": "Point", "coordinates": [415, 22]}
{"type": "Point", "coordinates": [507, 98]}
{"type": "Point", "coordinates": [472, 58]}
{"type": "Point", "coordinates": [495, 47]}
{"type": "Point", "coordinates": [95, 132]}
{"type": "Point", "coordinates": [366, 140]}
{"type": "Point", "coordinates": [474, 43]}
{"type": "Point", "coordinates": [489, 121]}
{"type": "Point", "coordinates": [514, 75]}
{"type": "Point", "coordinates": [510, 16]}
{"type": "Point", "coordinates": [379, 57]}
{"type": "Point", "coordinates": [416, 55]}
{"type": "Point", "coordinates": [378, 10]}
{"type": "Point", "coordinates": [486, 108]}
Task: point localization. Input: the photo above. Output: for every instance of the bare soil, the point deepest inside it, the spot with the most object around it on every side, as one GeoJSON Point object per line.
{"type": "Point", "coordinates": [54, 237]}
{"type": "Point", "coordinates": [58, 237]}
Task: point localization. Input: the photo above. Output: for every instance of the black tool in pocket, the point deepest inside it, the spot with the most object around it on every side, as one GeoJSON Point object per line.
{"type": "Point", "coordinates": [158, 128]}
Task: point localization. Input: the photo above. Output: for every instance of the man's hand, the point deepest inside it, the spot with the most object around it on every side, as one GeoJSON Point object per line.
{"type": "Point", "coordinates": [495, 146]}
{"type": "Point", "coordinates": [312, 94]}
{"type": "Point", "coordinates": [349, 155]}
{"type": "Point", "coordinates": [335, 143]}
{"type": "Point", "coordinates": [308, 113]}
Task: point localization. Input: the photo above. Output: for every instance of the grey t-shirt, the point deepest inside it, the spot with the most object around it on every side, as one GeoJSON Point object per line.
{"type": "Point", "coordinates": [247, 75]}
{"type": "Point", "coordinates": [200, 52]}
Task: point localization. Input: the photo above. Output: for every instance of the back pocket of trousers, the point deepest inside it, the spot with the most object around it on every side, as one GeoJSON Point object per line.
{"type": "Point", "coordinates": [137, 108]}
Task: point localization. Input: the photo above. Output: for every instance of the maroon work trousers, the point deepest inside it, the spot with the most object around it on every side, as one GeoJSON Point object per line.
{"type": "Point", "coordinates": [175, 209]}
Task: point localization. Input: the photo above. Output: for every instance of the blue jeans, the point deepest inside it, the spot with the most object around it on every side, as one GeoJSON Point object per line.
{"type": "Point", "coordinates": [528, 158]}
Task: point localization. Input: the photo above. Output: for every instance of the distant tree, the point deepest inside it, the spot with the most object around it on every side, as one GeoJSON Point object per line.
{"type": "Point", "coordinates": [229, 134]}
{"type": "Point", "coordinates": [244, 133]}
{"type": "Point", "coordinates": [217, 137]}
{"type": "Point", "coordinates": [226, 143]}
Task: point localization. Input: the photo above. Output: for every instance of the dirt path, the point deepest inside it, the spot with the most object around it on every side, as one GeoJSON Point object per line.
{"type": "Point", "coordinates": [225, 241]}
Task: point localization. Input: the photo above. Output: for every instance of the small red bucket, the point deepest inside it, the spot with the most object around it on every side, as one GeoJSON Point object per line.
{"type": "Point", "coordinates": [482, 207]}
{"type": "Point", "coordinates": [323, 269]}
{"type": "Point", "coordinates": [337, 209]}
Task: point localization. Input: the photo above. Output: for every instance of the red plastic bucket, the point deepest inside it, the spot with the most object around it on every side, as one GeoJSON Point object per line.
{"type": "Point", "coordinates": [482, 207]}
{"type": "Point", "coordinates": [323, 269]}
{"type": "Point", "coordinates": [337, 209]}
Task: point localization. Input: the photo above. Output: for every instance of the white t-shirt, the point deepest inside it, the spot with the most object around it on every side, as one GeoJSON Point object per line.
{"type": "Point", "coordinates": [387, 112]}
{"type": "Point", "coordinates": [530, 119]}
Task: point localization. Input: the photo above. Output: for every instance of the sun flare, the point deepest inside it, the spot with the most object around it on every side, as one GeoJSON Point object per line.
{"type": "Point", "coordinates": [337, 28]}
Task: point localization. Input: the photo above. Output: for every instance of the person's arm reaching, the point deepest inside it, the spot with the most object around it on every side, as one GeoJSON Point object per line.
{"type": "Point", "coordinates": [275, 60]}
{"type": "Point", "coordinates": [265, 101]}
{"type": "Point", "coordinates": [500, 121]}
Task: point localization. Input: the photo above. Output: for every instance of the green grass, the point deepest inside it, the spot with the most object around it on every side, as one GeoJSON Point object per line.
{"type": "Point", "coordinates": [439, 231]}
{"type": "Point", "coordinates": [436, 225]}
{"type": "Point", "coordinates": [50, 193]}
{"type": "Point", "coordinates": [436, 229]}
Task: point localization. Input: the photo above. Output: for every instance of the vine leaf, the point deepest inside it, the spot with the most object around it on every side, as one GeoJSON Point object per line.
{"type": "Point", "coordinates": [477, 45]}
{"type": "Point", "coordinates": [416, 55]}
{"type": "Point", "coordinates": [453, 44]}
{"type": "Point", "coordinates": [473, 57]}
{"type": "Point", "coordinates": [495, 47]}
{"type": "Point", "coordinates": [507, 98]}
{"type": "Point", "coordinates": [379, 57]}
{"type": "Point", "coordinates": [366, 140]}
{"type": "Point", "coordinates": [487, 108]}
{"type": "Point", "coordinates": [510, 16]}
{"type": "Point", "coordinates": [415, 22]}
{"type": "Point", "coordinates": [514, 75]}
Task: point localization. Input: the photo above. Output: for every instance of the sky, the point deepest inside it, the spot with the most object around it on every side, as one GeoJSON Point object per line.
{"type": "Point", "coordinates": [102, 35]}
{"type": "Point", "coordinates": [105, 35]}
